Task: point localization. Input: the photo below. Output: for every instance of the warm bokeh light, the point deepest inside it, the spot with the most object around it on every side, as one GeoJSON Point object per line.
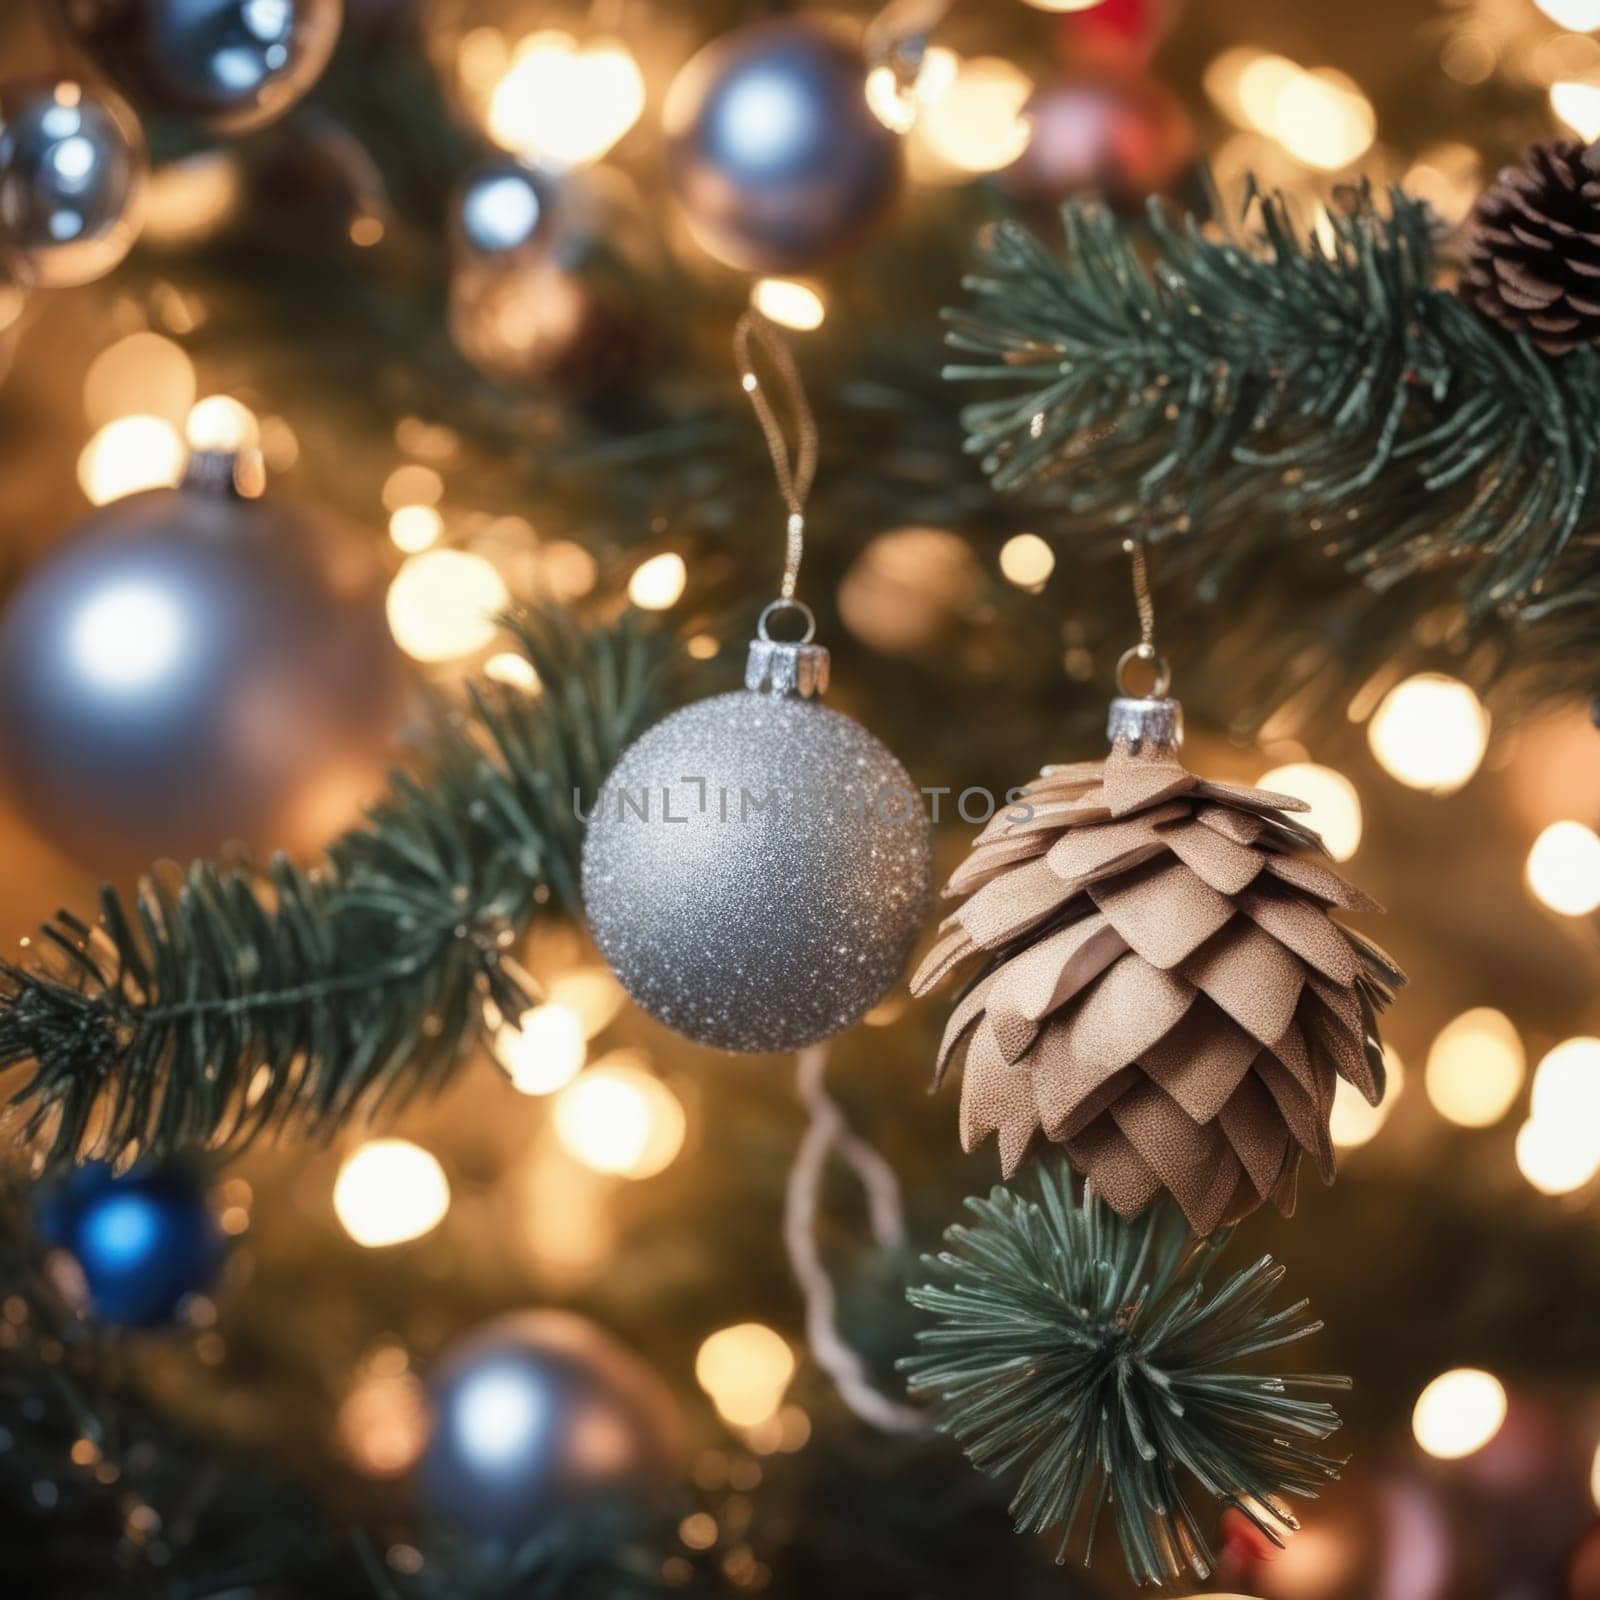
{"type": "Point", "coordinates": [1578, 105]}
{"type": "Point", "coordinates": [1594, 1478]}
{"type": "Point", "coordinates": [383, 1419]}
{"type": "Point", "coordinates": [443, 604]}
{"type": "Point", "coordinates": [1318, 115]}
{"type": "Point", "coordinates": [789, 301]}
{"type": "Point", "coordinates": [543, 1051]}
{"type": "Point", "coordinates": [415, 528]}
{"type": "Point", "coordinates": [1354, 1122]}
{"type": "Point", "coordinates": [1458, 1413]}
{"type": "Point", "coordinates": [412, 485]}
{"type": "Point", "coordinates": [514, 670]}
{"type": "Point", "coordinates": [1335, 806]}
{"type": "Point", "coordinates": [1564, 869]}
{"type": "Point", "coordinates": [1430, 732]}
{"type": "Point", "coordinates": [390, 1191]}
{"type": "Point", "coordinates": [657, 584]}
{"type": "Point", "coordinates": [1557, 1157]}
{"type": "Point", "coordinates": [897, 105]}
{"type": "Point", "coordinates": [592, 993]}
{"type": "Point", "coordinates": [189, 200]}
{"type": "Point", "coordinates": [130, 454]}
{"type": "Point", "coordinates": [1577, 16]}
{"type": "Point", "coordinates": [219, 422]}
{"type": "Point", "coordinates": [977, 123]}
{"type": "Point", "coordinates": [1475, 1068]}
{"type": "Point", "coordinates": [562, 104]}
{"type": "Point", "coordinates": [1026, 560]}
{"type": "Point", "coordinates": [566, 570]}
{"type": "Point", "coordinates": [745, 1370]}
{"type": "Point", "coordinates": [1566, 1086]}
{"type": "Point", "coordinates": [618, 1117]}
{"type": "Point", "coordinates": [1065, 5]}
{"type": "Point", "coordinates": [144, 373]}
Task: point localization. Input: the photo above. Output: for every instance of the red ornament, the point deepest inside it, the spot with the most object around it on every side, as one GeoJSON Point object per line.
{"type": "Point", "coordinates": [1117, 33]}
{"type": "Point", "coordinates": [1122, 135]}
{"type": "Point", "coordinates": [1242, 1548]}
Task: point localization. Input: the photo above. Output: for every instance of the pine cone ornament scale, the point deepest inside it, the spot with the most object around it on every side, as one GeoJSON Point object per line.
{"type": "Point", "coordinates": [1533, 248]}
{"type": "Point", "coordinates": [1163, 989]}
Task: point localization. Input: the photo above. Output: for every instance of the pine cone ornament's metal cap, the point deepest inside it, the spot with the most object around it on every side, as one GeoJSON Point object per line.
{"type": "Point", "coordinates": [1533, 248]}
{"type": "Point", "coordinates": [1145, 723]}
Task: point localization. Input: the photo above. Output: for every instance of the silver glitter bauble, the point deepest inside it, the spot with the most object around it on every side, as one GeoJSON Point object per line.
{"type": "Point", "coordinates": [757, 865]}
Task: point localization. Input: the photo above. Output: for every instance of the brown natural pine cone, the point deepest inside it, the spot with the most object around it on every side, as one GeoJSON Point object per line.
{"type": "Point", "coordinates": [1165, 994]}
{"type": "Point", "coordinates": [1533, 247]}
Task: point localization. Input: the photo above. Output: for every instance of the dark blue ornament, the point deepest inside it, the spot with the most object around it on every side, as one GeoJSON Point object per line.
{"type": "Point", "coordinates": [145, 1241]}
{"type": "Point", "coordinates": [772, 149]}
{"type": "Point", "coordinates": [72, 169]}
{"type": "Point", "coordinates": [538, 1415]}
{"type": "Point", "coordinates": [229, 65]}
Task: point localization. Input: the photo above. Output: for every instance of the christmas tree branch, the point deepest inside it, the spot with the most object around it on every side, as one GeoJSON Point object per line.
{"type": "Point", "coordinates": [229, 1000]}
{"type": "Point", "coordinates": [1329, 378]}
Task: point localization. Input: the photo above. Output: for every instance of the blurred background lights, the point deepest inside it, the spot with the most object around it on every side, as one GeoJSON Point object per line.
{"type": "Point", "coordinates": [1335, 806]}
{"type": "Point", "coordinates": [789, 301]}
{"type": "Point", "coordinates": [1319, 116]}
{"type": "Point", "coordinates": [977, 124]}
{"type": "Point", "coordinates": [1475, 1068]}
{"type": "Point", "coordinates": [1354, 1122]}
{"type": "Point", "coordinates": [1578, 105]}
{"type": "Point", "coordinates": [562, 104]}
{"type": "Point", "coordinates": [514, 670]}
{"type": "Point", "coordinates": [389, 1191]}
{"type": "Point", "coordinates": [443, 604]}
{"type": "Point", "coordinates": [130, 454]}
{"type": "Point", "coordinates": [127, 637]}
{"type": "Point", "coordinates": [1566, 1085]}
{"type": "Point", "coordinates": [187, 201]}
{"type": "Point", "coordinates": [1557, 1157]}
{"type": "Point", "coordinates": [620, 1118]}
{"type": "Point", "coordinates": [591, 992]}
{"type": "Point", "coordinates": [145, 373]}
{"type": "Point", "coordinates": [497, 1414]}
{"type": "Point", "coordinates": [745, 1370]}
{"type": "Point", "coordinates": [1065, 5]}
{"type": "Point", "coordinates": [1430, 732]}
{"type": "Point", "coordinates": [1564, 869]}
{"type": "Point", "coordinates": [219, 422]}
{"type": "Point", "coordinates": [1594, 1478]}
{"type": "Point", "coordinates": [412, 485]}
{"type": "Point", "coordinates": [414, 529]}
{"type": "Point", "coordinates": [383, 1419]}
{"type": "Point", "coordinates": [1459, 1413]}
{"type": "Point", "coordinates": [657, 584]}
{"type": "Point", "coordinates": [1578, 16]}
{"type": "Point", "coordinates": [897, 105]}
{"type": "Point", "coordinates": [1026, 560]}
{"type": "Point", "coordinates": [543, 1051]}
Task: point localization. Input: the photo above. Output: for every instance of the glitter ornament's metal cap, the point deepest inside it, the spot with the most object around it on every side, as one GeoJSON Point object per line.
{"type": "Point", "coordinates": [1155, 723]}
{"type": "Point", "coordinates": [797, 669]}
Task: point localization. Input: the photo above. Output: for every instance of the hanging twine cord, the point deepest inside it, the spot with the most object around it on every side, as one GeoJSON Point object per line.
{"type": "Point", "coordinates": [827, 1133]}
{"type": "Point", "coordinates": [796, 470]}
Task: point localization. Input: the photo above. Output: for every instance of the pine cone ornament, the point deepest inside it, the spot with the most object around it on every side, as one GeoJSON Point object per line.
{"type": "Point", "coordinates": [1164, 991]}
{"type": "Point", "coordinates": [1533, 247]}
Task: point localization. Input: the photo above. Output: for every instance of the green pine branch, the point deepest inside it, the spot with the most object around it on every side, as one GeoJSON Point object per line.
{"type": "Point", "coordinates": [1084, 1353]}
{"type": "Point", "coordinates": [228, 1000]}
{"type": "Point", "coordinates": [1328, 378]}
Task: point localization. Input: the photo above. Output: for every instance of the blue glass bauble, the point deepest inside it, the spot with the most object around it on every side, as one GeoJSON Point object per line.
{"type": "Point", "coordinates": [229, 65]}
{"type": "Point", "coordinates": [538, 1415]}
{"type": "Point", "coordinates": [72, 171]}
{"type": "Point", "coordinates": [772, 148]}
{"type": "Point", "coordinates": [145, 1241]}
{"type": "Point", "coordinates": [190, 668]}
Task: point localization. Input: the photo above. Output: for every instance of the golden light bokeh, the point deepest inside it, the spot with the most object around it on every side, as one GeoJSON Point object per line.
{"type": "Point", "coordinates": [1027, 561]}
{"type": "Point", "coordinates": [790, 302]}
{"type": "Point", "coordinates": [1577, 104]}
{"type": "Point", "coordinates": [1566, 1085]}
{"type": "Point", "coordinates": [977, 123]}
{"type": "Point", "coordinates": [1459, 1413]}
{"type": "Point", "coordinates": [1430, 732]}
{"type": "Point", "coordinates": [514, 670]}
{"type": "Point", "coordinates": [543, 1051]}
{"type": "Point", "coordinates": [145, 374]}
{"type": "Point", "coordinates": [563, 104]}
{"type": "Point", "coordinates": [1354, 1122]}
{"type": "Point", "coordinates": [1318, 115]}
{"type": "Point", "coordinates": [444, 604]}
{"type": "Point", "coordinates": [383, 1421]}
{"type": "Point", "coordinates": [414, 529]}
{"type": "Point", "coordinates": [1475, 1068]}
{"type": "Point", "coordinates": [219, 422]}
{"type": "Point", "coordinates": [745, 1370]}
{"type": "Point", "coordinates": [1557, 1157]}
{"type": "Point", "coordinates": [1335, 805]}
{"type": "Point", "coordinates": [620, 1118]}
{"type": "Point", "coordinates": [390, 1191]}
{"type": "Point", "coordinates": [1577, 16]}
{"type": "Point", "coordinates": [129, 455]}
{"type": "Point", "coordinates": [658, 583]}
{"type": "Point", "coordinates": [1563, 869]}
{"type": "Point", "coordinates": [592, 993]}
